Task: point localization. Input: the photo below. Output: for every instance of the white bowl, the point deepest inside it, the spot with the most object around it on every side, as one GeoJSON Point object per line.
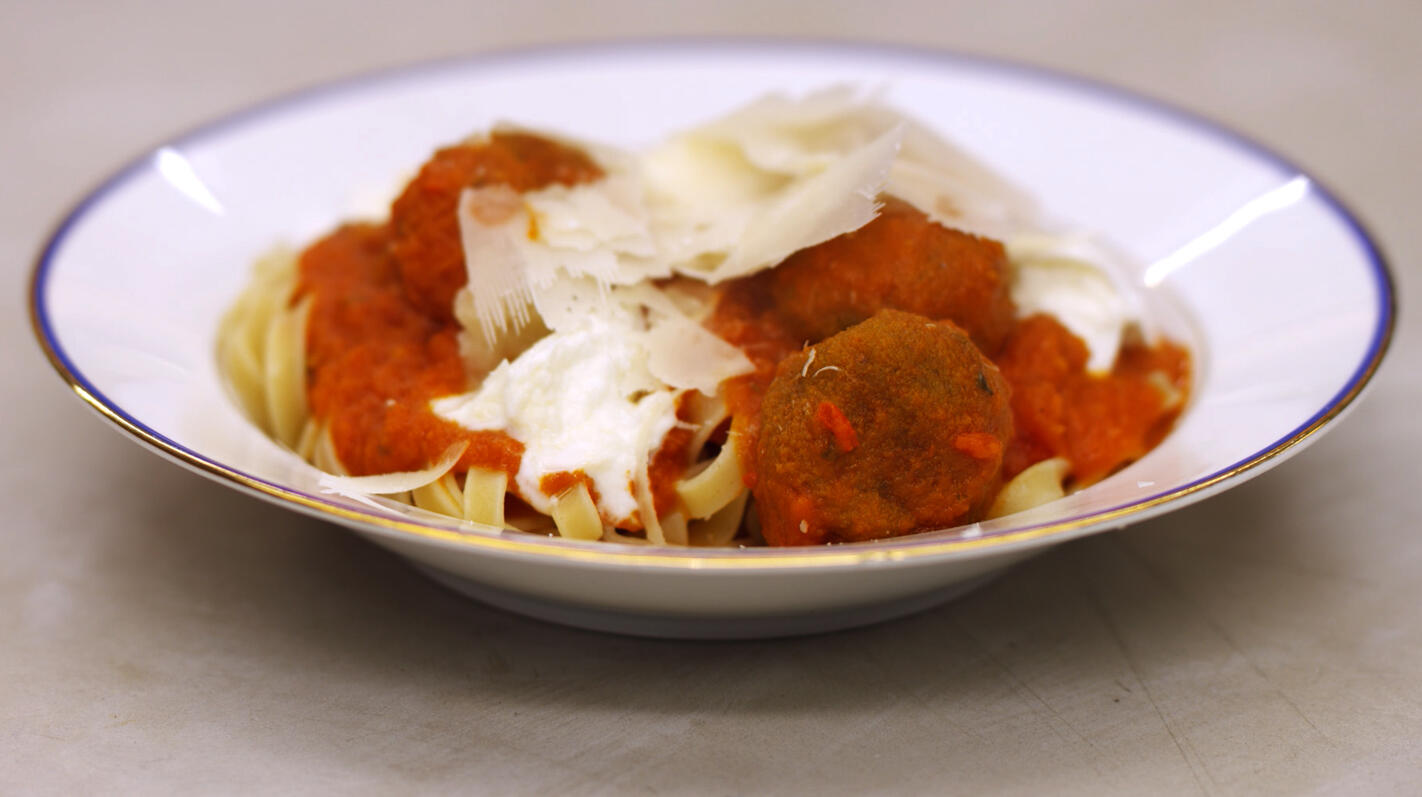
{"type": "Point", "coordinates": [1287, 304]}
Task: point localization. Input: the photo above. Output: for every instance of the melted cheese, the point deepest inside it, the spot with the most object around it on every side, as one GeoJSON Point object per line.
{"type": "Point", "coordinates": [579, 399]}
{"type": "Point", "coordinates": [1050, 277]}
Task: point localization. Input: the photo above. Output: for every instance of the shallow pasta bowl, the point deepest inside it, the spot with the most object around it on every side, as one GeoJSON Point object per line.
{"type": "Point", "coordinates": [1280, 294]}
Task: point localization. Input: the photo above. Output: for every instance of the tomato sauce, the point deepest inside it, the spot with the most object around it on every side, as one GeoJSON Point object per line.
{"type": "Point", "coordinates": [1098, 422]}
{"type": "Point", "coordinates": [374, 361]}
{"type": "Point", "coordinates": [382, 340]}
{"type": "Point", "coordinates": [555, 484]}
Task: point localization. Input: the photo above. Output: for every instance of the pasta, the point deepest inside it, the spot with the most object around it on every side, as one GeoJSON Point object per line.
{"type": "Point", "coordinates": [792, 325]}
{"type": "Point", "coordinates": [261, 350]}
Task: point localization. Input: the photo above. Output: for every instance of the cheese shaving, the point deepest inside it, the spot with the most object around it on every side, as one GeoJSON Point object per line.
{"type": "Point", "coordinates": [503, 299]}
{"type": "Point", "coordinates": [687, 356]}
{"type": "Point", "coordinates": [581, 399]}
{"type": "Point", "coordinates": [954, 188]}
{"type": "Point", "coordinates": [391, 483]}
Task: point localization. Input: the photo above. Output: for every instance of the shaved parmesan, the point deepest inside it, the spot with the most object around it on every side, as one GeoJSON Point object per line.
{"type": "Point", "coordinates": [580, 399]}
{"type": "Point", "coordinates": [740, 193]}
{"type": "Point", "coordinates": [391, 483]}
{"type": "Point", "coordinates": [840, 199]}
{"type": "Point", "coordinates": [805, 135]}
{"type": "Point", "coordinates": [954, 188]}
{"type": "Point", "coordinates": [495, 266]}
{"type": "Point", "coordinates": [685, 355]}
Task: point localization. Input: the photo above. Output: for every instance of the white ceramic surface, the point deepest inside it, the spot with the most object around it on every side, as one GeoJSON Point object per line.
{"type": "Point", "coordinates": [1286, 302]}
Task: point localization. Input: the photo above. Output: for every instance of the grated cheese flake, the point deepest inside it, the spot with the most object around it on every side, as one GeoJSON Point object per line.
{"type": "Point", "coordinates": [391, 483]}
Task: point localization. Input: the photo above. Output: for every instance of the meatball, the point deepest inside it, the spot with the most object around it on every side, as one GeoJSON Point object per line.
{"type": "Point", "coordinates": [901, 260]}
{"type": "Point", "coordinates": [893, 426]}
{"type": "Point", "coordinates": [423, 219]}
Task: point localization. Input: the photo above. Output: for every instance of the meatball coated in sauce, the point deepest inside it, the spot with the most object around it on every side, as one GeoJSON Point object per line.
{"type": "Point", "coordinates": [901, 260]}
{"type": "Point", "coordinates": [894, 426]}
{"type": "Point", "coordinates": [424, 221]}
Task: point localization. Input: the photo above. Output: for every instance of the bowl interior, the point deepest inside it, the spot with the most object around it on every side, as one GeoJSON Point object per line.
{"type": "Point", "coordinates": [1276, 289]}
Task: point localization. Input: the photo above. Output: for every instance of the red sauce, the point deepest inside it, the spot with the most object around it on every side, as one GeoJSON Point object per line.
{"type": "Point", "coordinates": [374, 361]}
{"type": "Point", "coordinates": [667, 466]}
{"type": "Point", "coordinates": [555, 484]}
{"type": "Point", "coordinates": [382, 341]}
{"type": "Point", "coordinates": [746, 317]}
{"type": "Point", "coordinates": [978, 445]}
{"type": "Point", "coordinates": [1098, 422]}
{"type": "Point", "coordinates": [832, 420]}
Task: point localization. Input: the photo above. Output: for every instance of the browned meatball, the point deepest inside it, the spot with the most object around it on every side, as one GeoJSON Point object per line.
{"type": "Point", "coordinates": [894, 426]}
{"type": "Point", "coordinates": [423, 220]}
{"type": "Point", "coordinates": [901, 260]}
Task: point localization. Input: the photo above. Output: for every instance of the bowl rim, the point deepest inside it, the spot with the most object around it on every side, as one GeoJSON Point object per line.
{"type": "Point", "coordinates": [899, 549]}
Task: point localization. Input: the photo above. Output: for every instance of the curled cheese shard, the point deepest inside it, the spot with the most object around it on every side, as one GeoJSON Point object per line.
{"type": "Point", "coordinates": [687, 356]}
{"type": "Point", "coordinates": [391, 483]}
{"type": "Point", "coordinates": [841, 199]}
{"type": "Point", "coordinates": [502, 301]}
{"type": "Point", "coordinates": [740, 193]}
{"type": "Point", "coordinates": [954, 188]}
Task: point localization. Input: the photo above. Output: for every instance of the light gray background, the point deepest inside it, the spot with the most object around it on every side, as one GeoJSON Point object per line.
{"type": "Point", "coordinates": [162, 633]}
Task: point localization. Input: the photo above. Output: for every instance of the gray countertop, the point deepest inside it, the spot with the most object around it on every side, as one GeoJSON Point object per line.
{"type": "Point", "coordinates": [159, 632]}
